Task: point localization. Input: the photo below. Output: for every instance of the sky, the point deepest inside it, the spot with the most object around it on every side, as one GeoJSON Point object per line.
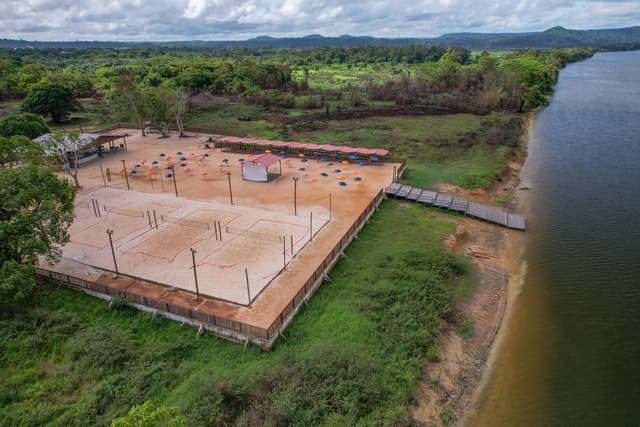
{"type": "Point", "coordinates": [158, 20]}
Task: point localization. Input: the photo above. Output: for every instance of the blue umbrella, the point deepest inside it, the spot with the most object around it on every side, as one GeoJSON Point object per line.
{"type": "Point", "coordinates": [169, 175]}
{"type": "Point", "coordinates": [137, 165]}
{"type": "Point", "coordinates": [330, 164]}
{"type": "Point", "coordinates": [304, 160]}
{"type": "Point", "coordinates": [179, 153]}
{"type": "Point", "coordinates": [241, 160]}
{"type": "Point", "coordinates": [183, 165]}
{"type": "Point", "coordinates": [302, 169]}
{"type": "Point", "coordinates": [183, 158]}
{"type": "Point", "coordinates": [155, 162]}
{"type": "Point", "coordinates": [324, 174]}
{"type": "Point", "coordinates": [162, 154]}
{"type": "Point", "coordinates": [337, 171]}
{"type": "Point", "coordinates": [342, 184]}
{"type": "Point", "coordinates": [205, 155]}
{"type": "Point", "coordinates": [225, 161]}
{"type": "Point", "coordinates": [363, 163]}
{"type": "Point", "coordinates": [132, 173]}
{"type": "Point", "coordinates": [168, 168]}
{"type": "Point", "coordinates": [358, 178]}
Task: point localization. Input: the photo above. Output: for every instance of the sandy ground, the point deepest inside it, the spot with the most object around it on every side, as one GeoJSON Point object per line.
{"type": "Point", "coordinates": [258, 209]}
{"type": "Point", "coordinates": [450, 384]}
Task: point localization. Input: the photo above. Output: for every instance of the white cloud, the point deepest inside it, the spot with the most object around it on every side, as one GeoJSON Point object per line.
{"type": "Point", "coordinates": [240, 19]}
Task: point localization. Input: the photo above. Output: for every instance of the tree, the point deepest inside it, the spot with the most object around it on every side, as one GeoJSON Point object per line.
{"type": "Point", "coordinates": [27, 124]}
{"type": "Point", "coordinates": [51, 99]}
{"type": "Point", "coordinates": [181, 106]}
{"type": "Point", "coordinates": [66, 147]}
{"type": "Point", "coordinates": [36, 209]}
{"type": "Point", "coordinates": [150, 415]}
{"type": "Point", "coordinates": [159, 107]}
{"type": "Point", "coordinates": [20, 149]}
{"type": "Point", "coordinates": [127, 99]}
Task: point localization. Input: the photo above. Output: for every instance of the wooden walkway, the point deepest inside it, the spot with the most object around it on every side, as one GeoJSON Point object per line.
{"type": "Point", "coordinates": [458, 204]}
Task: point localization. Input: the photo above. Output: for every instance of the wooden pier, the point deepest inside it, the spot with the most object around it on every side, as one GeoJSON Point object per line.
{"type": "Point", "coordinates": [458, 204]}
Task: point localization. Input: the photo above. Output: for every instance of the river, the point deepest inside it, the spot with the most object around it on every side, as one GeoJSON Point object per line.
{"type": "Point", "coordinates": [569, 350]}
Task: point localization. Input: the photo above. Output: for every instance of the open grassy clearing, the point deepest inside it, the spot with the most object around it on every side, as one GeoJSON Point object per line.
{"type": "Point", "coordinates": [339, 76]}
{"type": "Point", "coordinates": [353, 356]}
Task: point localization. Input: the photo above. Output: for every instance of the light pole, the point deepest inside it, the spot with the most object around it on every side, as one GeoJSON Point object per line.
{"type": "Point", "coordinates": [195, 274]}
{"type": "Point", "coordinates": [126, 177]}
{"type": "Point", "coordinates": [173, 174]}
{"type": "Point", "coordinates": [295, 195]}
{"type": "Point", "coordinates": [230, 192]}
{"type": "Point", "coordinates": [113, 252]}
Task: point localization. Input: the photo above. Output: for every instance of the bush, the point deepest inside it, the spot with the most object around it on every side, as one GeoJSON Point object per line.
{"type": "Point", "coordinates": [26, 124]}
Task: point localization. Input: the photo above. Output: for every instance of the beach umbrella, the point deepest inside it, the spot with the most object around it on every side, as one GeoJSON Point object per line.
{"type": "Point", "coordinates": [186, 169]}
{"type": "Point", "coordinates": [305, 174]}
{"type": "Point", "coordinates": [358, 178]}
{"type": "Point", "coordinates": [304, 160]}
{"type": "Point", "coordinates": [337, 171]}
{"type": "Point", "coordinates": [241, 160]}
{"type": "Point", "coordinates": [183, 165]}
{"type": "Point", "coordinates": [355, 172]}
{"type": "Point", "coordinates": [220, 165]}
{"type": "Point", "coordinates": [324, 174]}
{"type": "Point", "coordinates": [225, 160]}
{"type": "Point", "coordinates": [204, 174]}
{"type": "Point", "coordinates": [205, 155]}
{"type": "Point", "coordinates": [137, 165]}
{"type": "Point", "coordinates": [301, 155]}
{"type": "Point", "coordinates": [302, 169]}
{"type": "Point", "coordinates": [179, 153]}
{"type": "Point", "coordinates": [155, 162]}
{"type": "Point", "coordinates": [345, 162]}
{"type": "Point", "coordinates": [359, 183]}
{"type": "Point", "coordinates": [132, 173]}
{"type": "Point", "coordinates": [183, 158]}
{"type": "Point", "coordinates": [330, 164]}
{"type": "Point", "coordinates": [340, 177]}
{"type": "Point", "coordinates": [169, 175]}
{"type": "Point", "coordinates": [200, 159]}
{"type": "Point", "coordinates": [162, 155]}
{"type": "Point", "coordinates": [314, 179]}
{"type": "Point", "coordinates": [342, 184]}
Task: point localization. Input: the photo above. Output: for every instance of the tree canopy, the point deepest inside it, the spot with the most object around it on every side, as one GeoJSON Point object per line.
{"type": "Point", "coordinates": [27, 124]}
{"type": "Point", "coordinates": [50, 99]}
{"type": "Point", "coordinates": [36, 209]}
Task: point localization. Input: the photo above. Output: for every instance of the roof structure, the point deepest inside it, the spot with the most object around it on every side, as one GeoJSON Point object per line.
{"type": "Point", "coordinates": [304, 146]}
{"type": "Point", "coordinates": [265, 159]}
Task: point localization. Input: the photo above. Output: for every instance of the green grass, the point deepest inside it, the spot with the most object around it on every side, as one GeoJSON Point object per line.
{"type": "Point", "coordinates": [338, 76]}
{"type": "Point", "coordinates": [353, 356]}
{"type": "Point", "coordinates": [430, 143]}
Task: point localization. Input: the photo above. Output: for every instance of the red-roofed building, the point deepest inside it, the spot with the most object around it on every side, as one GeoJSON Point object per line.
{"type": "Point", "coordinates": [257, 168]}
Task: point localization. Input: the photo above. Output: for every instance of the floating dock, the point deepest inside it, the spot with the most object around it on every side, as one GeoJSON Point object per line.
{"type": "Point", "coordinates": [458, 204]}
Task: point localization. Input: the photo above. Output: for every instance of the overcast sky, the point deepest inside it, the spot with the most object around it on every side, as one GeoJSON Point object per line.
{"type": "Point", "coordinates": [242, 19]}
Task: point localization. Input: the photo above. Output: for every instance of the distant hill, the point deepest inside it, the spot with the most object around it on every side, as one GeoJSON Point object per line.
{"type": "Point", "coordinates": [611, 39]}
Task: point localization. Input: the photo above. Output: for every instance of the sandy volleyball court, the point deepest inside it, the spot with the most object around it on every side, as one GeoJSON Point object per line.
{"type": "Point", "coordinates": [233, 224]}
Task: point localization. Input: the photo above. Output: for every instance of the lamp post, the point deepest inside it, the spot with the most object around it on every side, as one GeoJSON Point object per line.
{"type": "Point", "coordinates": [126, 177]}
{"type": "Point", "coordinates": [113, 252]}
{"type": "Point", "coordinates": [295, 195]}
{"type": "Point", "coordinates": [195, 274]}
{"type": "Point", "coordinates": [230, 192]}
{"type": "Point", "coordinates": [173, 174]}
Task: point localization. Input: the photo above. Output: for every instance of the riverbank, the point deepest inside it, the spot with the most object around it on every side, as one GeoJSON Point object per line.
{"type": "Point", "coordinates": [451, 381]}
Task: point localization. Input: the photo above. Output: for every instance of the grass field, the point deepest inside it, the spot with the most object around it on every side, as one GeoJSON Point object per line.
{"type": "Point", "coordinates": [353, 356]}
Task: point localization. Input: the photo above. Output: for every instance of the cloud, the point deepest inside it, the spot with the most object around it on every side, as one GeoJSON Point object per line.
{"type": "Point", "coordinates": [241, 19]}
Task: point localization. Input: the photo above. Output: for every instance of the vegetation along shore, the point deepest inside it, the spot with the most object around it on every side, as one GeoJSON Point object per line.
{"type": "Point", "coordinates": [400, 334]}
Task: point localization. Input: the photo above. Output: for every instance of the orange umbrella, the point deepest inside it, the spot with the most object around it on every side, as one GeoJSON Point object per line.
{"type": "Point", "coordinates": [220, 165]}
{"type": "Point", "coordinates": [305, 174]}
{"type": "Point", "coordinates": [301, 155]}
{"type": "Point", "coordinates": [200, 159]}
{"type": "Point", "coordinates": [314, 179]}
{"type": "Point", "coordinates": [204, 174]}
{"type": "Point", "coordinates": [341, 177]}
{"type": "Point", "coordinates": [359, 183]}
{"type": "Point", "coordinates": [355, 172]}
{"type": "Point", "coordinates": [186, 169]}
{"type": "Point", "coordinates": [345, 162]}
